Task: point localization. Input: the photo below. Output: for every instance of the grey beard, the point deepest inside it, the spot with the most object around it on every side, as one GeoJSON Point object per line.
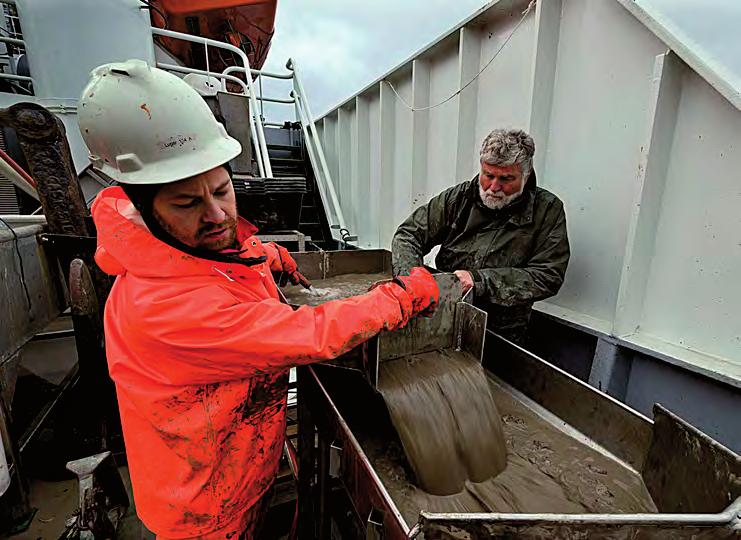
{"type": "Point", "coordinates": [495, 203]}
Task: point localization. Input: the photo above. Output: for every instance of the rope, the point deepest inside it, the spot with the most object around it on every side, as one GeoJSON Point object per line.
{"type": "Point", "coordinates": [443, 102]}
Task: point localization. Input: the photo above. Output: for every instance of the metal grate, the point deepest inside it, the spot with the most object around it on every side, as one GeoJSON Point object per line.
{"type": "Point", "coordinates": [8, 196]}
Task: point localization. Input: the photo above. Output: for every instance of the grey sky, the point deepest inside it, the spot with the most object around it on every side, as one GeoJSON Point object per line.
{"type": "Point", "coordinates": [341, 46]}
{"type": "Point", "coordinates": [712, 26]}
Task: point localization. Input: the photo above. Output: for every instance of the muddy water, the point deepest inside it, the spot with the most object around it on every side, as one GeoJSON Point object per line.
{"type": "Point", "coordinates": [547, 471]}
{"type": "Point", "coordinates": [443, 411]}
{"type": "Point", "coordinates": [334, 288]}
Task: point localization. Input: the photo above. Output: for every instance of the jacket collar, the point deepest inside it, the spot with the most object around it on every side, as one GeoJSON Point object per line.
{"type": "Point", "coordinates": [125, 244]}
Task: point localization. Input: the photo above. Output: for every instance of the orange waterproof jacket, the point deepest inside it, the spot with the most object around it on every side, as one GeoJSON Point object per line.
{"type": "Point", "coordinates": [200, 351]}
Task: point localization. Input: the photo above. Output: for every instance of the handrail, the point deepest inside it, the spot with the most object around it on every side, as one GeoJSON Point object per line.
{"type": "Point", "coordinates": [324, 180]}
{"type": "Point", "coordinates": [13, 77]}
{"type": "Point", "coordinates": [313, 137]}
{"type": "Point", "coordinates": [313, 144]}
{"type": "Point", "coordinates": [259, 72]}
{"type": "Point", "coordinates": [206, 42]}
{"type": "Point", "coordinates": [12, 41]}
{"type": "Point", "coordinates": [303, 112]}
{"type": "Point", "coordinates": [276, 100]}
{"type": "Point", "coordinates": [183, 69]}
{"type": "Point", "coordinates": [331, 207]}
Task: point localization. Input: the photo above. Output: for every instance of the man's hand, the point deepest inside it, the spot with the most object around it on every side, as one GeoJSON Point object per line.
{"type": "Point", "coordinates": [282, 263]}
{"type": "Point", "coordinates": [465, 278]}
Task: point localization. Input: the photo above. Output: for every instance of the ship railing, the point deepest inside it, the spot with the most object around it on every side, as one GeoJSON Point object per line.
{"type": "Point", "coordinates": [10, 40]}
{"type": "Point", "coordinates": [313, 142]}
{"type": "Point", "coordinates": [297, 97]}
{"type": "Point", "coordinates": [317, 157]}
{"type": "Point", "coordinates": [256, 125]}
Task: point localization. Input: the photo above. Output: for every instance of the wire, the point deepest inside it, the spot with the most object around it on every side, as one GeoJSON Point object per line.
{"type": "Point", "coordinates": [20, 263]}
{"type": "Point", "coordinates": [461, 89]}
{"type": "Point", "coordinates": [159, 12]}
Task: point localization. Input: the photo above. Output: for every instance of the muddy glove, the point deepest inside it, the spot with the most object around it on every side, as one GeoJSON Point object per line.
{"type": "Point", "coordinates": [297, 278]}
{"type": "Point", "coordinates": [423, 290]}
{"type": "Point", "coordinates": [284, 264]}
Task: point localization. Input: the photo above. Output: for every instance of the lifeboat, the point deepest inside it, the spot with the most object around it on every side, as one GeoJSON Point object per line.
{"type": "Point", "coordinates": [246, 24]}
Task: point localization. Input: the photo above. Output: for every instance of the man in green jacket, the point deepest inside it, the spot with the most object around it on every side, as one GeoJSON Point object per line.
{"type": "Point", "coordinates": [503, 236]}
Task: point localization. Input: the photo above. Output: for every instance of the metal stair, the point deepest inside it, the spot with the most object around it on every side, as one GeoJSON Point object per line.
{"type": "Point", "coordinates": [291, 160]}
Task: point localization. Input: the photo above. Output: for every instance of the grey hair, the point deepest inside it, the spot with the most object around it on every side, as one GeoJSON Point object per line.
{"type": "Point", "coordinates": [505, 147]}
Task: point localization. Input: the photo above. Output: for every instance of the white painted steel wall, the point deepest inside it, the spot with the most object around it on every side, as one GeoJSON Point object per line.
{"type": "Point", "coordinates": [65, 40]}
{"type": "Point", "coordinates": [639, 137]}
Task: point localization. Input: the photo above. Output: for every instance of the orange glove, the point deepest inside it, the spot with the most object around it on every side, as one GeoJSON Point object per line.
{"type": "Point", "coordinates": [423, 290]}
{"type": "Point", "coordinates": [282, 262]}
{"type": "Point", "coordinates": [297, 278]}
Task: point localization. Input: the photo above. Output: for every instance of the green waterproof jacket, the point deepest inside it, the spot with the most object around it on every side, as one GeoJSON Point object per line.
{"type": "Point", "coordinates": [517, 255]}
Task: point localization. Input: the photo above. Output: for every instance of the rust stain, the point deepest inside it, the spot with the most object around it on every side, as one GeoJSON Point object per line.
{"type": "Point", "coordinates": [144, 107]}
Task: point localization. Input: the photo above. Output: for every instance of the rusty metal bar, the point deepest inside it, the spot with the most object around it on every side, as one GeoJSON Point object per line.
{"type": "Point", "coordinates": [89, 339]}
{"type": "Point", "coordinates": [307, 458]}
{"type": "Point", "coordinates": [44, 144]}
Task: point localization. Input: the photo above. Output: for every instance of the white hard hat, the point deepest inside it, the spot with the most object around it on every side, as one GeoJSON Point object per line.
{"type": "Point", "coordinates": [144, 125]}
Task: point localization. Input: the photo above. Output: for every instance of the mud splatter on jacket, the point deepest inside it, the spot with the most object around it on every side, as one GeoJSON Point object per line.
{"type": "Point", "coordinates": [200, 352]}
{"type": "Point", "coordinates": [517, 255]}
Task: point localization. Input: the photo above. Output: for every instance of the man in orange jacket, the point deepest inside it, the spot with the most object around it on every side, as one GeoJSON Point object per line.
{"type": "Point", "coordinates": [198, 343]}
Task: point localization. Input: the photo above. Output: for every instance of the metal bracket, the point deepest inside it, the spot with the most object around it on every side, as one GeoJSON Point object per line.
{"type": "Point", "coordinates": [374, 526]}
{"type": "Point", "coordinates": [335, 460]}
{"type": "Point", "coordinates": [103, 498]}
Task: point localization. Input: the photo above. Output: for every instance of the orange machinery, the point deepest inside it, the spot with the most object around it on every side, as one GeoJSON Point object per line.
{"type": "Point", "coordinates": [247, 24]}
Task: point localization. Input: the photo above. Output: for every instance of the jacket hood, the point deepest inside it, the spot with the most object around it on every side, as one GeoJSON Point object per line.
{"type": "Point", "coordinates": [125, 244]}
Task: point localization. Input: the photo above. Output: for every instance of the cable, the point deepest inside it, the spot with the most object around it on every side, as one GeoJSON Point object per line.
{"type": "Point", "coordinates": [20, 263]}
{"type": "Point", "coordinates": [443, 102]}
{"type": "Point", "coordinates": [158, 10]}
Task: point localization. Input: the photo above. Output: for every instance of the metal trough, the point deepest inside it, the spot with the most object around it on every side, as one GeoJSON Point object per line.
{"type": "Point", "coordinates": [694, 482]}
{"type": "Point", "coordinates": [454, 325]}
{"type": "Point", "coordinates": [321, 265]}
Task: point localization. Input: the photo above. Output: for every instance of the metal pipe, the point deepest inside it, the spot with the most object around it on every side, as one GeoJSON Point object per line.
{"type": "Point", "coordinates": [183, 69]}
{"type": "Point", "coordinates": [721, 518]}
{"type": "Point", "coordinates": [262, 103]}
{"type": "Point", "coordinates": [312, 127]}
{"type": "Point", "coordinates": [251, 94]}
{"type": "Point", "coordinates": [19, 219]}
{"type": "Point", "coordinates": [276, 100]}
{"type": "Point", "coordinates": [314, 162]}
{"type": "Point", "coordinates": [18, 181]}
{"type": "Point", "coordinates": [13, 41]}
{"type": "Point", "coordinates": [238, 69]}
{"type": "Point", "coordinates": [269, 74]}
{"type": "Point", "coordinates": [305, 119]}
{"type": "Point", "coordinates": [12, 77]}
{"type": "Point", "coordinates": [17, 168]}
